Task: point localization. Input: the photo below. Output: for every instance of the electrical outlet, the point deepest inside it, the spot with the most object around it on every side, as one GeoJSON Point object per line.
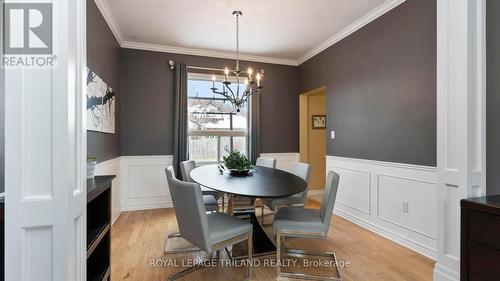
{"type": "Point", "coordinates": [405, 207]}
{"type": "Point", "coordinates": [332, 135]}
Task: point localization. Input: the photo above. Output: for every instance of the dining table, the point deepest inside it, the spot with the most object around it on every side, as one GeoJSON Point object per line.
{"type": "Point", "coordinates": [261, 182]}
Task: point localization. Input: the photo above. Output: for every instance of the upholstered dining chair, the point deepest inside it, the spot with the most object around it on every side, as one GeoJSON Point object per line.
{"type": "Point", "coordinates": [210, 232]}
{"type": "Point", "coordinates": [302, 170]}
{"type": "Point", "coordinates": [307, 223]}
{"type": "Point", "coordinates": [266, 162]}
{"type": "Point", "coordinates": [245, 204]}
{"type": "Point", "coordinates": [186, 168]}
{"type": "Point", "coordinates": [210, 204]}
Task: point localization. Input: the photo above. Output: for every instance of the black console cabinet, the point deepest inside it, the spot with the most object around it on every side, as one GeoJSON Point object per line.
{"type": "Point", "coordinates": [98, 228]}
{"type": "Point", "coordinates": [480, 239]}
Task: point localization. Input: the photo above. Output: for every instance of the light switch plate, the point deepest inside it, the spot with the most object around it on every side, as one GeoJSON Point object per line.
{"type": "Point", "coordinates": [332, 135]}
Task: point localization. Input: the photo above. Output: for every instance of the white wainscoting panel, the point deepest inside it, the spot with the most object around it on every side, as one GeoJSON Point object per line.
{"type": "Point", "coordinates": [392, 190]}
{"type": "Point", "coordinates": [143, 183]}
{"type": "Point", "coordinates": [112, 167]}
{"type": "Point", "coordinates": [357, 190]}
{"type": "Point", "coordinates": [371, 194]}
{"type": "Point", "coordinates": [284, 161]}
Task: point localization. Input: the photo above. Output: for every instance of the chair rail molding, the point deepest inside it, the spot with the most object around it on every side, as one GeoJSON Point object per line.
{"type": "Point", "coordinates": [461, 122]}
{"type": "Point", "coordinates": [372, 194]}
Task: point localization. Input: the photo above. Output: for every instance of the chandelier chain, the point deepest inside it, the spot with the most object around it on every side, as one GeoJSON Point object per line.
{"type": "Point", "coordinates": [237, 42]}
{"type": "Point", "coordinates": [252, 85]}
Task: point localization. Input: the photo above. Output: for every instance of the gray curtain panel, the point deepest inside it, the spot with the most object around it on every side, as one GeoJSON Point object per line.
{"type": "Point", "coordinates": [181, 116]}
{"type": "Point", "coordinates": [254, 128]}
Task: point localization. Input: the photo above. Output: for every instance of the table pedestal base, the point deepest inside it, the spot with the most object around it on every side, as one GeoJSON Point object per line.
{"type": "Point", "coordinates": [262, 245]}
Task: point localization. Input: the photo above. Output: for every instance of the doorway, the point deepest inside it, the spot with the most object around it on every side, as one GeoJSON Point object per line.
{"type": "Point", "coordinates": [312, 128]}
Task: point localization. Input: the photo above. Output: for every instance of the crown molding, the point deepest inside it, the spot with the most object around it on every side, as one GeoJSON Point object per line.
{"type": "Point", "coordinates": [205, 53]}
{"type": "Point", "coordinates": [361, 22]}
{"type": "Point", "coordinates": [110, 20]}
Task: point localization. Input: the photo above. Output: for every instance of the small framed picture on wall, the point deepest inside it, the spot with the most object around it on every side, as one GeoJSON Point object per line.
{"type": "Point", "coordinates": [319, 121]}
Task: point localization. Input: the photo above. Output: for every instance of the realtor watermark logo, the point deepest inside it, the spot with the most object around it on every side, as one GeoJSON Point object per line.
{"type": "Point", "coordinates": [28, 35]}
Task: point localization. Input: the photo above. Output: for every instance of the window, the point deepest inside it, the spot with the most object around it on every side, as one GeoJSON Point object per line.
{"type": "Point", "coordinates": [214, 125]}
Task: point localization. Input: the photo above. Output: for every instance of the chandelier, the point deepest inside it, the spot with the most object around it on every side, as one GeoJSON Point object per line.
{"type": "Point", "coordinates": [253, 84]}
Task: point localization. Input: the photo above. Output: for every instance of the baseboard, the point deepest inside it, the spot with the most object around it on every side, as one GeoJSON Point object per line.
{"type": "Point", "coordinates": [147, 207]}
{"type": "Point", "coordinates": [442, 273]}
{"type": "Point", "coordinates": [415, 246]}
{"type": "Point", "coordinates": [114, 217]}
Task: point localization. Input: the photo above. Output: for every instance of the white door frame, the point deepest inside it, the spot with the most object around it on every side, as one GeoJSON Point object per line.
{"type": "Point", "coordinates": [45, 156]}
{"type": "Point", "coordinates": [461, 121]}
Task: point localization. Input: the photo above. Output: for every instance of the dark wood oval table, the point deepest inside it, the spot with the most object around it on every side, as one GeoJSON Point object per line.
{"type": "Point", "coordinates": [263, 182]}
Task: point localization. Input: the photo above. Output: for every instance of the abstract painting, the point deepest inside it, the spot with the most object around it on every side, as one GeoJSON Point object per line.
{"type": "Point", "coordinates": [100, 105]}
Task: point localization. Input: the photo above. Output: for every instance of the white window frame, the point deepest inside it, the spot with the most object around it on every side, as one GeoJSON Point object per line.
{"type": "Point", "coordinates": [216, 133]}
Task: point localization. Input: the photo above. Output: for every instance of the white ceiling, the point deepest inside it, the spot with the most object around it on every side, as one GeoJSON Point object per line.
{"type": "Point", "coordinates": [276, 31]}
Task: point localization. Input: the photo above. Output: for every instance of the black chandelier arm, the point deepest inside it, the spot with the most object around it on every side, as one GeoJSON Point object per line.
{"type": "Point", "coordinates": [250, 91]}
{"type": "Point", "coordinates": [232, 93]}
{"type": "Point", "coordinates": [246, 94]}
{"type": "Point", "coordinates": [222, 94]}
{"type": "Point", "coordinates": [246, 98]}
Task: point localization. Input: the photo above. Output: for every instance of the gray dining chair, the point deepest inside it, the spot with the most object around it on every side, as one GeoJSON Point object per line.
{"type": "Point", "coordinates": [210, 204]}
{"type": "Point", "coordinates": [302, 170]}
{"type": "Point", "coordinates": [269, 163]}
{"type": "Point", "coordinates": [186, 168]}
{"type": "Point", "coordinates": [266, 162]}
{"type": "Point", "coordinates": [210, 232]}
{"type": "Point", "coordinates": [242, 204]}
{"type": "Point", "coordinates": [307, 223]}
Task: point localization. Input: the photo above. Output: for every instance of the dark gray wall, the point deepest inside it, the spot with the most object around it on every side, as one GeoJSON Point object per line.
{"type": "Point", "coordinates": [147, 99]}
{"type": "Point", "coordinates": [493, 97]}
{"type": "Point", "coordinates": [103, 56]}
{"type": "Point", "coordinates": [381, 85]}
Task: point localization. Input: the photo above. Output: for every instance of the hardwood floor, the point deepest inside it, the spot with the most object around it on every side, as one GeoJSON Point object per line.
{"type": "Point", "coordinates": [138, 239]}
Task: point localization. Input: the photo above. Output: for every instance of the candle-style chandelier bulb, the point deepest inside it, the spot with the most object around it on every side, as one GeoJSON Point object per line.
{"type": "Point", "coordinates": [236, 98]}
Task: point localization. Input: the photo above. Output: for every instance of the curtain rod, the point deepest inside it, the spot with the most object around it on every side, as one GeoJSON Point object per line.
{"type": "Point", "coordinates": [172, 66]}
{"type": "Point", "coordinates": [205, 68]}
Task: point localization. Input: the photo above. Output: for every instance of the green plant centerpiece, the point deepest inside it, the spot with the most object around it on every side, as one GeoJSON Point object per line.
{"type": "Point", "coordinates": [237, 164]}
